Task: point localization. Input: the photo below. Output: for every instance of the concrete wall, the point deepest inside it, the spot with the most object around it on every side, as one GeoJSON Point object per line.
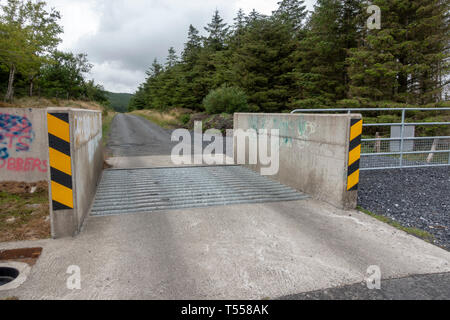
{"type": "Point", "coordinates": [23, 145]}
{"type": "Point", "coordinates": [314, 152]}
{"type": "Point", "coordinates": [87, 158]}
{"type": "Point", "coordinates": [86, 150]}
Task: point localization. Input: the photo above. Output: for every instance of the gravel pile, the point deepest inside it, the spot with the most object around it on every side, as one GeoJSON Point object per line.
{"type": "Point", "coordinates": [418, 198]}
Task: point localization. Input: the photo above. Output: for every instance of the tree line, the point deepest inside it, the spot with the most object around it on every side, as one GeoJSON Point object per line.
{"type": "Point", "coordinates": [295, 59]}
{"type": "Point", "coordinates": [30, 62]}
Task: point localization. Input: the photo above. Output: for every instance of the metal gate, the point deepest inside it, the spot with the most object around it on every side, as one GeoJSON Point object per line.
{"type": "Point", "coordinates": [403, 144]}
{"type": "Point", "coordinates": [146, 190]}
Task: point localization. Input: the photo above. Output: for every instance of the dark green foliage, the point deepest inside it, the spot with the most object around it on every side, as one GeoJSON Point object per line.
{"type": "Point", "coordinates": [119, 101]}
{"type": "Point", "coordinates": [31, 65]}
{"type": "Point", "coordinates": [226, 100]}
{"type": "Point", "coordinates": [185, 118]}
{"type": "Point", "coordinates": [293, 60]}
{"type": "Point", "coordinates": [407, 60]}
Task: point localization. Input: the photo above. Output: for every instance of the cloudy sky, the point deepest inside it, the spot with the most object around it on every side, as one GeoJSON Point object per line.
{"type": "Point", "coordinates": [122, 37]}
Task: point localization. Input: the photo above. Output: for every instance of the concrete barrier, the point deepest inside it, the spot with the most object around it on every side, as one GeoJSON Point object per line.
{"type": "Point", "coordinates": [23, 145]}
{"type": "Point", "coordinates": [76, 162]}
{"type": "Point", "coordinates": [315, 155]}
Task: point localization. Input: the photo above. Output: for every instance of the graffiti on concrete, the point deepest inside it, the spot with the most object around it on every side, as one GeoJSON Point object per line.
{"type": "Point", "coordinates": [23, 164]}
{"type": "Point", "coordinates": [290, 130]}
{"type": "Point", "coordinates": [16, 134]}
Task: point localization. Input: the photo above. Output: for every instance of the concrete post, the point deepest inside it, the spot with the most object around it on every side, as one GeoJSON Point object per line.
{"type": "Point", "coordinates": [75, 165]}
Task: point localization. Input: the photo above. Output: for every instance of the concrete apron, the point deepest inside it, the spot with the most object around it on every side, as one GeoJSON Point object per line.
{"type": "Point", "coordinates": [251, 251]}
{"type": "Point", "coordinates": [160, 161]}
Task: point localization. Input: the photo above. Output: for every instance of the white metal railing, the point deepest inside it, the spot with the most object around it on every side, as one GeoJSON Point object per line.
{"type": "Point", "coordinates": [403, 151]}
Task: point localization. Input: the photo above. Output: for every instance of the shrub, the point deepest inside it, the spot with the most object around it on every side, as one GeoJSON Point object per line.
{"type": "Point", "coordinates": [226, 99]}
{"type": "Point", "coordinates": [185, 118]}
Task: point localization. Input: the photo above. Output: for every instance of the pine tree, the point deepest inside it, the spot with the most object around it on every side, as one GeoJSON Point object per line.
{"type": "Point", "coordinates": [292, 12]}
{"type": "Point", "coordinates": [261, 66]}
{"type": "Point", "coordinates": [238, 28]}
{"type": "Point", "coordinates": [321, 72]}
{"type": "Point", "coordinates": [155, 69]}
{"type": "Point", "coordinates": [192, 46]}
{"type": "Point", "coordinates": [217, 33]}
{"type": "Point", "coordinates": [254, 16]}
{"type": "Point", "coordinates": [172, 58]}
{"type": "Point", "coordinates": [426, 51]}
{"type": "Point", "coordinates": [406, 59]}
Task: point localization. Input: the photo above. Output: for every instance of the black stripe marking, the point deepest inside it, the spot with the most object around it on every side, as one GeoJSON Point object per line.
{"type": "Point", "coordinates": [61, 178]}
{"type": "Point", "coordinates": [355, 188]}
{"type": "Point", "coordinates": [355, 143]}
{"type": "Point", "coordinates": [59, 206]}
{"type": "Point", "coordinates": [354, 121]}
{"type": "Point", "coordinates": [59, 144]}
{"type": "Point", "coordinates": [61, 116]}
{"type": "Point", "coordinates": [353, 168]}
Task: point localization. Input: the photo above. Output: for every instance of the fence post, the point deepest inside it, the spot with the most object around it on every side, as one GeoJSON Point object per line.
{"type": "Point", "coordinates": [377, 143]}
{"type": "Point", "coordinates": [402, 136]}
{"type": "Point", "coordinates": [433, 148]}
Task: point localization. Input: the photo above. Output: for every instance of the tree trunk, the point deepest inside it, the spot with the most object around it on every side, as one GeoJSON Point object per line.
{"type": "Point", "coordinates": [31, 86]}
{"type": "Point", "coordinates": [10, 91]}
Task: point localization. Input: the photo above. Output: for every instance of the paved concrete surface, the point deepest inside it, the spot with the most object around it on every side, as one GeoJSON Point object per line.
{"type": "Point", "coordinates": [419, 287]}
{"type": "Point", "coordinates": [252, 251]}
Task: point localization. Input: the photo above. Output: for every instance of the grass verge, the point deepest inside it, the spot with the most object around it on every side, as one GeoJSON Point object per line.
{"type": "Point", "coordinates": [424, 235]}
{"type": "Point", "coordinates": [107, 118]}
{"type": "Point", "coordinates": [23, 215]}
{"type": "Point", "coordinates": [168, 120]}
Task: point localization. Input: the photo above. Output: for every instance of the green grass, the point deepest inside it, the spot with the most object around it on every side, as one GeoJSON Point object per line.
{"type": "Point", "coordinates": [106, 125]}
{"type": "Point", "coordinates": [424, 235]}
{"type": "Point", "coordinates": [23, 216]}
{"type": "Point", "coordinates": [164, 120]}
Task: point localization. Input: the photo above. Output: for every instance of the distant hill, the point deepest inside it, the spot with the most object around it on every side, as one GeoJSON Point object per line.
{"type": "Point", "coordinates": [119, 101]}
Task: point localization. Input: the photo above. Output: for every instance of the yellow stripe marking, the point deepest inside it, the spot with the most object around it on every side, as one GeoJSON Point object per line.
{"type": "Point", "coordinates": [353, 180]}
{"type": "Point", "coordinates": [62, 194]}
{"type": "Point", "coordinates": [356, 130]}
{"type": "Point", "coordinates": [58, 128]}
{"type": "Point", "coordinates": [60, 161]}
{"type": "Point", "coordinates": [354, 155]}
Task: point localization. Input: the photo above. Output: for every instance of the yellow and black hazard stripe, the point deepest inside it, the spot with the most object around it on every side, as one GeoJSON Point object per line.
{"type": "Point", "coordinates": [60, 161]}
{"type": "Point", "coordinates": [354, 154]}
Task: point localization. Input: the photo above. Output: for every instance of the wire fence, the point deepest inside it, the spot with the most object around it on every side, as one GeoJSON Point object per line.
{"type": "Point", "coordinates": [408, 143]}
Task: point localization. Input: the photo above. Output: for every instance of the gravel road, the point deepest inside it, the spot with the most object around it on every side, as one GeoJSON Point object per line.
{"type": "Point", "coordinates": [133, 136]}
{"type": "Point", "coordinates": [418, 197]}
